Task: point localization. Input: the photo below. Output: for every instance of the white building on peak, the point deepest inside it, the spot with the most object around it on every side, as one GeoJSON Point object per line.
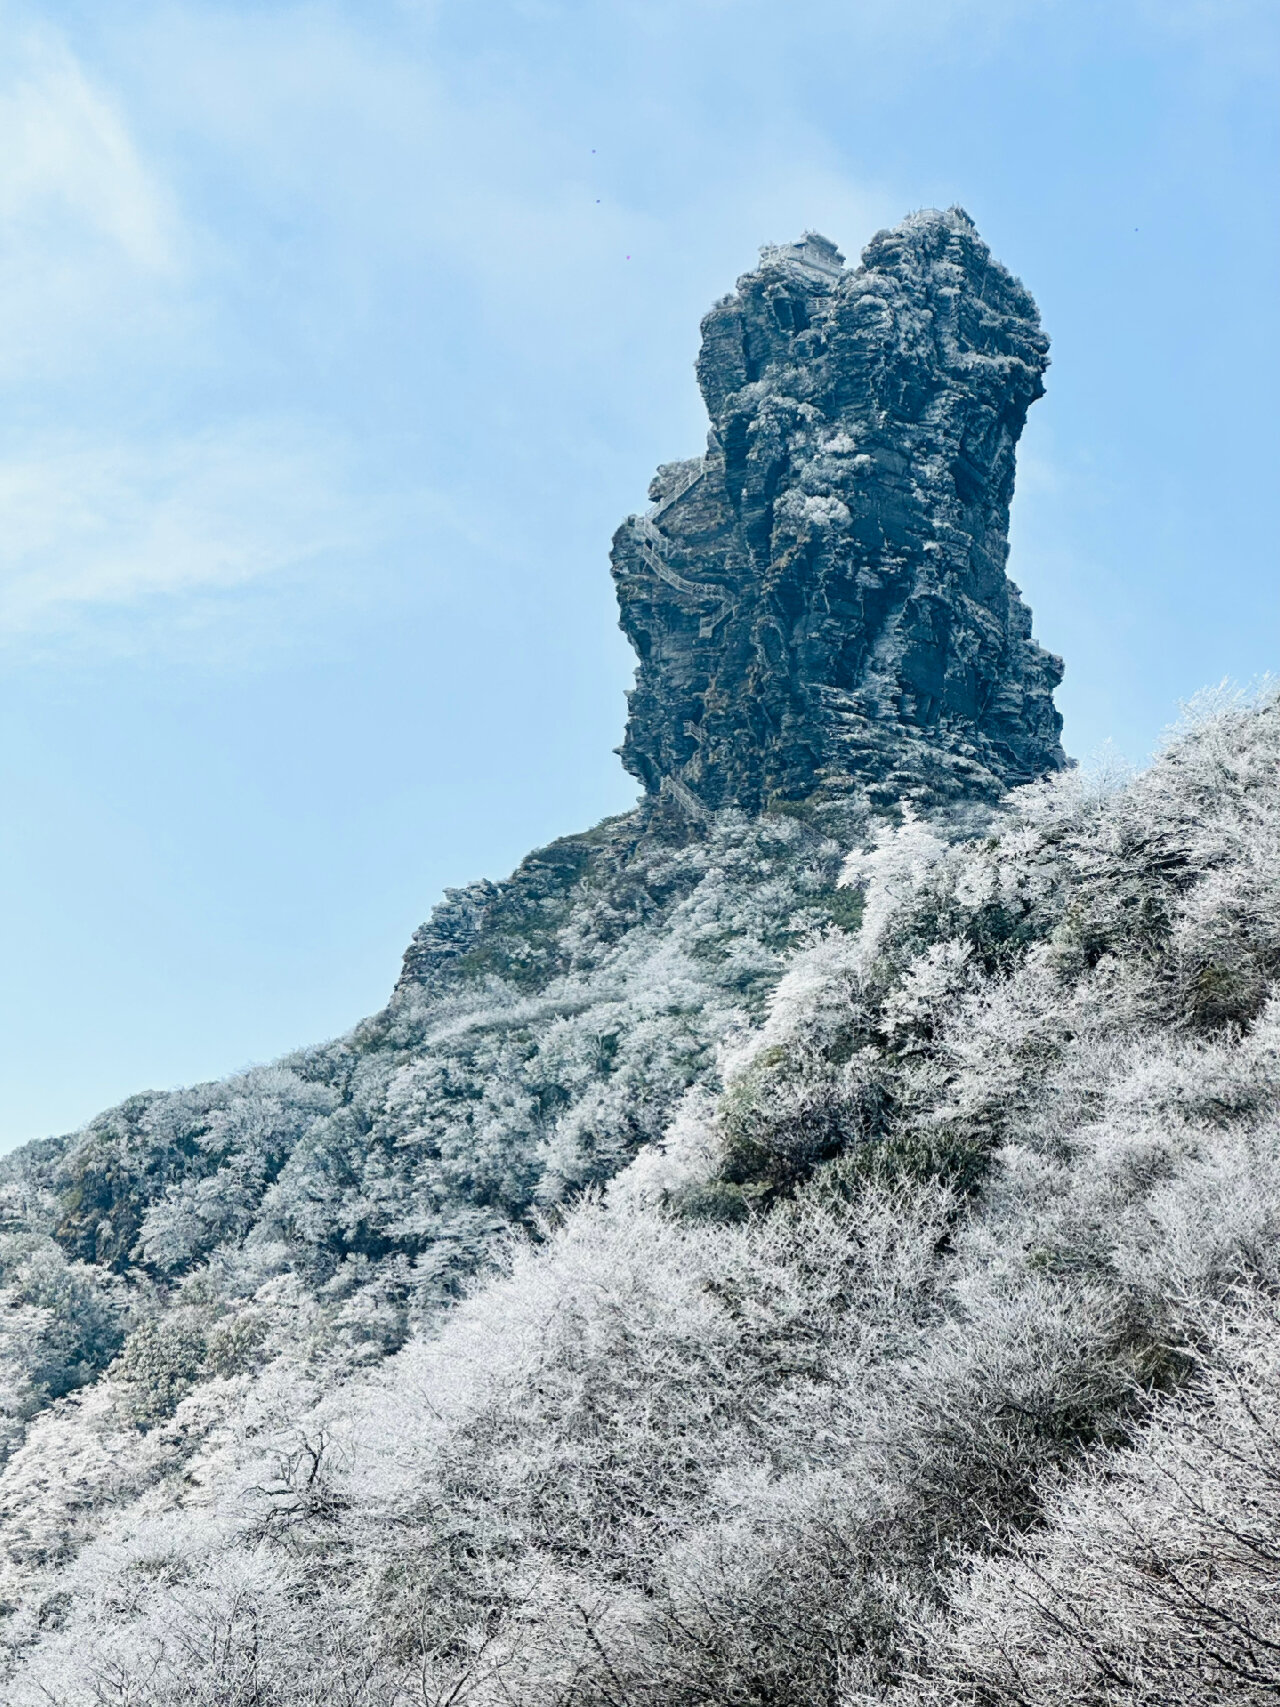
{"type": "Point", "coordinates": [813, 254]}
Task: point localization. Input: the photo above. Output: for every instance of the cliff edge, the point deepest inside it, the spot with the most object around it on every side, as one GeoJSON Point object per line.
{"type": "Point", "coordinates": [820, 602]}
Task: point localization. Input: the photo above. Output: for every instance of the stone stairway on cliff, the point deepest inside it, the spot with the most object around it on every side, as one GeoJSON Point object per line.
{"type": "Point", "coordinates": [654, 546]}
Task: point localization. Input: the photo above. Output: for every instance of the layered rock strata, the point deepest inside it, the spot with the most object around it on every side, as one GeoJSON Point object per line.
{"type": "Point", "coordinates": [819, 604]}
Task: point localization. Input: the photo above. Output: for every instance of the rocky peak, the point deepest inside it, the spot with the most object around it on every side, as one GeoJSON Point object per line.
{"type": "Point", "coordinates": [819, 604]}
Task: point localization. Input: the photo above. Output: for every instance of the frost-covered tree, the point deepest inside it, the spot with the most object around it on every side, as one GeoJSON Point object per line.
{"type": "Point", "coordinates": [791, 1294]}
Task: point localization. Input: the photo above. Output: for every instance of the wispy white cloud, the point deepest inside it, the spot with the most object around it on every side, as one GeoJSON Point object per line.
{"type": "Point", "coordinates": [91, 242]}
{"type": "Point", "coordinates": [382, 156]}
{"type": "Point", "coordinates": [66, 157]}
{"type": "Point", "coordinates": [86, 526]}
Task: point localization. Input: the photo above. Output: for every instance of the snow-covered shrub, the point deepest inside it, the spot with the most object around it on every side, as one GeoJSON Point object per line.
{"type": "Point", "coordinates": [1156, 1578]}
{"type": "Point", "coordinates": [162, 1360]}
{"type": "Point", "coordinates": [62, 1323]}
{"type": "Point", "coordinates": [890, 1294]}
{"type": "Point", "coordinates": [785, 1113]}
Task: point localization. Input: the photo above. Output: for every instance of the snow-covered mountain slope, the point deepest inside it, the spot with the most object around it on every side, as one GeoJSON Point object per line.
{"type": "Point", "coordinates": [945, 1302]}
{"type": "Point", "coordinates": [809, 1241]}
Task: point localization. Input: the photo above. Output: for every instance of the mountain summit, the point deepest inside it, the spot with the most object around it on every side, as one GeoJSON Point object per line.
{"type": "Point", "coordinates": [820, 602]}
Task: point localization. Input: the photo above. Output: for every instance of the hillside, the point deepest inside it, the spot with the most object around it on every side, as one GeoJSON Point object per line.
{"type": "Point", "coordinates": [809, 1240]}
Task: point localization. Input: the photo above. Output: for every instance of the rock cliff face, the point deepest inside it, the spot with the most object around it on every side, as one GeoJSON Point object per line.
{"type": "Point", "coordinates": [820, 604]}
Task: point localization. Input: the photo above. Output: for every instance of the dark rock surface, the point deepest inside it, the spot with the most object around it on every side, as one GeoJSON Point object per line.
{"type": "Point", "coordinates": [820, 604]}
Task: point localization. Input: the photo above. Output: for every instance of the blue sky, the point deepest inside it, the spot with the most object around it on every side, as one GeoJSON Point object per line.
{"type": "Point", "coordinates": [336, 339]}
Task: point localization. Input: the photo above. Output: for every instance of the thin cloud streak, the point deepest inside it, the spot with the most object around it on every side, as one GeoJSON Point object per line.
{"type": "Point", "coordinates": [92, 248]}
{"type": "Point", "coordinates": [87, 525]}
{"type": "Point", "coordinates": [380, 169]}
{"type": "Point", "coordinates": [67, 160]}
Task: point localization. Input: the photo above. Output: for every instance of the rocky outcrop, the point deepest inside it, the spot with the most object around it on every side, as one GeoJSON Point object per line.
{"type": "Point", "coordinates": [820, 604]}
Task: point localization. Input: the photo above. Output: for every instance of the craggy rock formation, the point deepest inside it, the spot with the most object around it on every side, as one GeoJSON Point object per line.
{"type": "Point", "coordinates": [820, 603]}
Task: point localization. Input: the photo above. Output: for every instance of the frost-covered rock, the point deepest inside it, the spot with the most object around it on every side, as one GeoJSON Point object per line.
{"type": "Point", "coordinates": [821, 601]}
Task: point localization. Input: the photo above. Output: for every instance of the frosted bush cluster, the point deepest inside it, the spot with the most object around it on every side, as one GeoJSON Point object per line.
{"type": "Point", "coordinates": [367, 1176]}
{"type": "Point", "coordinates": [858, 1311]}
